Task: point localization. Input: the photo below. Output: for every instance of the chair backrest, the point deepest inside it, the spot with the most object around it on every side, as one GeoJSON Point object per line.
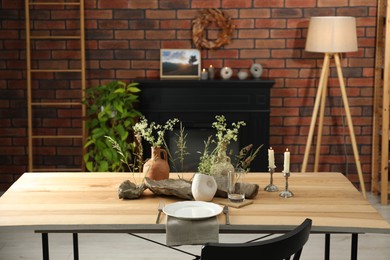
{"type": "Point", "coordinates": [278, 248]}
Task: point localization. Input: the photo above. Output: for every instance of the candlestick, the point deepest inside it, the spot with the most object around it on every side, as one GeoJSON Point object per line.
{"type": "Point", "coordinates": [204, 75]}
{"type": "Point", "coordinates": [286, 161]}
{"type": "Point", "coordinates": [211, 72]}
{"type": "Point", "coordinates": [271, 158]}
{"type": "Point", "coordinates": [271, 187]}
{"type": "Point", "coordinates": [286, 193]}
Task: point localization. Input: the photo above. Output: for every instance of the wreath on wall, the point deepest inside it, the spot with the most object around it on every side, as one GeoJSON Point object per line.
{"type": "Point", "coordinates": [206, 18]}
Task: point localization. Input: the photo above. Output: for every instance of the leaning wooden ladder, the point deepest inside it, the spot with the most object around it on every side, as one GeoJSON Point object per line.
{"type": "Point", "coordinates": [38, 33]}
{"type": "Point", "coordinates": [380, 142]}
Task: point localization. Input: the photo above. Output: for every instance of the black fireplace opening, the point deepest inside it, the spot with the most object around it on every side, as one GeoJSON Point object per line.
{"type": "Point", "coordinates": [196, 103]}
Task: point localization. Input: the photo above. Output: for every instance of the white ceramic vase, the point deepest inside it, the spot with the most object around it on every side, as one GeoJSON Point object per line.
{"type": "Point", "coordinates": [256, 70]}
{"type": "Point", "coordinates": [203, 187]}
{"type": "Point", "coordinates": [242, 75]}
{"type": "Point", "coordinates": [226, 73]}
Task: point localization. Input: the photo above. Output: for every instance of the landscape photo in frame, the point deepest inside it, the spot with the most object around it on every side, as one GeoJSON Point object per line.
{"type": "Point", "coordinates": [180, 63]}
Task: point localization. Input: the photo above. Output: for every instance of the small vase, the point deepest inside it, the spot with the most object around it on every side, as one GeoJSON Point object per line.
{"type": "Point", "coordinates": [256, 70]}
{"type": "Point", "coordinates": [226, 73]}
{"type": "Point", "coordinates": [203, 187]}
{"type": "Point", "coordinates": [242, 75]}
{"type": "Point", "coordinates": [157, 167]}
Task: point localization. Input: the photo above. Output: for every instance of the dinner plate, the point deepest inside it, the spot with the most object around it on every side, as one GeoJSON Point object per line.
{"type": "Point", "coordinates": [192, 209]}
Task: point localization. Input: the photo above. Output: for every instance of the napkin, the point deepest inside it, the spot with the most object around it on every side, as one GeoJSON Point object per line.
{"type": "Point", "coordinates": [191, 231]}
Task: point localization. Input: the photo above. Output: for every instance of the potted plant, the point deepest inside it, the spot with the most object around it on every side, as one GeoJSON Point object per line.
{"type": "Point", "coordinates": [215, 164]}
{"type": "Point", "coordinates": [203, 185]}
{"type": "Point", "coordinates": [224, 136]}
{"type": "Point", "coordinates": [111, 113]}
{"type": "Point", "coordinates": [157, 167]}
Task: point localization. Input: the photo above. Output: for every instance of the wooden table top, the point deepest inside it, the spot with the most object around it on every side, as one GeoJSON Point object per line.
{"type": "Point", "coordinates": [89, 202]}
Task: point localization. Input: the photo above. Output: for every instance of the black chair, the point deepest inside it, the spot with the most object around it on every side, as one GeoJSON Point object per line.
{"type": "Point", "coordinates": [282, 247]}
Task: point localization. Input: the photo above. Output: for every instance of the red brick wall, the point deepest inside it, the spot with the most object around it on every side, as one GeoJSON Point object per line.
{"type": "Point", "coordinates": [124, 39]}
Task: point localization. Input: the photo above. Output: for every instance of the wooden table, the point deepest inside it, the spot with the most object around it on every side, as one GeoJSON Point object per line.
{"type": "Point", "coordinates": [88, 203]}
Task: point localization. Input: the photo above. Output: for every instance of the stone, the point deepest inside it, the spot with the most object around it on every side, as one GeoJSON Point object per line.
{"type": "Point", "coordinates": [129, 190]}
{"type": "Point", "coordinates": [251, 189]}
{"type": "Point", "coordinates": [171, 187]}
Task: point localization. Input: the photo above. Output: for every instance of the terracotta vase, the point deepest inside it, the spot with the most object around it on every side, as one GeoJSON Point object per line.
{"type": "Point", "coordinates": [157, 167]}
{"type": "Point", "coordinates": [203, 187]}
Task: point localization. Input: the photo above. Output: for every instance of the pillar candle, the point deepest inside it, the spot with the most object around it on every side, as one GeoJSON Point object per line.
{"type": "Point", "coordinates": [271, 158]}
{"type": "Point", "coordinates": [211, 72]}
{"type": "Point", "coordinates": [204, 75]}
{"type": "Point", "coordinates": [286, 161]}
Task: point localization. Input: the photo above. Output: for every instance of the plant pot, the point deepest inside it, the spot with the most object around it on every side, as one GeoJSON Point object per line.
{"type": "Point", "coordinates": [203, 187]}
{"type": "Point", "coordinates": [157, 167]}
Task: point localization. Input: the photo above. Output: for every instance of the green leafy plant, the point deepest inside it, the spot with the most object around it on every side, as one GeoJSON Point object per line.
{"type": "Point", "coordinates": [181, 145]}
{"type": "Point", "coordinates": [110, 113]}
{"type": "Point", "coordinates": [207, 158]}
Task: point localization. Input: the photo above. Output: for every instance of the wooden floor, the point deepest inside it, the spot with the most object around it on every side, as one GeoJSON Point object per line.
{"type": "Point", "coordinates": [22, 245]}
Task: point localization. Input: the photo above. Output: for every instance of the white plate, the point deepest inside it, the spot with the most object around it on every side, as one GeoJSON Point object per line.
{"type": "Point", "coordinates": [192, 209]}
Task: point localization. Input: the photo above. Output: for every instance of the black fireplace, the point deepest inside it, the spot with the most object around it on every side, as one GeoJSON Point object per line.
{"type": "Point", "coordinates": [197, 102]}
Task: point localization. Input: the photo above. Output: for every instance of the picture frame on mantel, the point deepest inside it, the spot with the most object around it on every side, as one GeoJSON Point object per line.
{"type": "Point", "coordinates": [180, 64]}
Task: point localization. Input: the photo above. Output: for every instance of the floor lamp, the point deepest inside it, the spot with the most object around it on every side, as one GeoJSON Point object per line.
{"type": "Point", "coordinates": [331, 35]}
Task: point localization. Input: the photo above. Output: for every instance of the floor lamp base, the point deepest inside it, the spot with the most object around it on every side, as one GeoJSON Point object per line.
{"type": "Point", "coordinates": [320, 105]}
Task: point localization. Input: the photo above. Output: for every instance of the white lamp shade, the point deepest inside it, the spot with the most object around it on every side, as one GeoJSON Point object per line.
{"type": "Point", "coordinates": [331, 34]}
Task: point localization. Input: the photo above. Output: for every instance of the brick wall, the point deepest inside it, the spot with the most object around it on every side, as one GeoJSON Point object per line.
{"type": "Point", "coordinates": [124, 39]}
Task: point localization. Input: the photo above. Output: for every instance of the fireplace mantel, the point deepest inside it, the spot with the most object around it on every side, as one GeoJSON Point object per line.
{"type": "Point", "coordinates": [197, 102]}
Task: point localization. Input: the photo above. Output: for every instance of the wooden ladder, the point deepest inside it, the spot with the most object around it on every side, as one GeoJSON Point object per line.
{"type": "Point", "coordinates": [380, 142]}
{"type": "Point", "coordinates": [51, 145]}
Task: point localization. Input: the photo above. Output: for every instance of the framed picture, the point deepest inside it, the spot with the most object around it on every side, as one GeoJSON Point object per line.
{"type": "Point", "coordinates": [180, 63]}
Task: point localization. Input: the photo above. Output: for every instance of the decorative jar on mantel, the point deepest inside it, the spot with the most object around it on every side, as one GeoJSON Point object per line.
{"type": "Point", "coordinates": [157, 167]}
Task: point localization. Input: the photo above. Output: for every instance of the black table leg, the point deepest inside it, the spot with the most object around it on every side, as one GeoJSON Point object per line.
{"type": "Point", "coordinates": [45, 246]}
{"type": "Point", "coordinates": [354, 246]}
{"type": "Point", "coordinates": [327, 246]}
{"type": "Point", "coordinates": [75, 246]}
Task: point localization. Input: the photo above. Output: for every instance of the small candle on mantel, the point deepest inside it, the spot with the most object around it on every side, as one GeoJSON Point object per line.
{"type": "Point", "coordinates": [271, 158]}
{"type": "Point", "coordinates": [211, 72]}
{"type": "Point", "coordinates": [286, 161]}
{"type": "Point", "coordinates": [204, 75]}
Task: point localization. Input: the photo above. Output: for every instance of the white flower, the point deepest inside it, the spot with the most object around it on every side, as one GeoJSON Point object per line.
{"type": "Point", "coordinates": [146, 130]}
{"type": "Point", "coordinates": [225, 135]}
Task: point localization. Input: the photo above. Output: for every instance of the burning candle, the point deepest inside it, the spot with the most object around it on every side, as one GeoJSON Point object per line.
{"type": "Point", "coordinates": [286, 161]}
{"type": "Point", "coordinates": [204, 75]}
{"type": "Point", "coordinates": [271, 158]}
{"type": "Point", "coordinates": [211, 72]}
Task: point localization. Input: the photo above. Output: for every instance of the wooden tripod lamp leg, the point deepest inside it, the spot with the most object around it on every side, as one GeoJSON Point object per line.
{"type": "Point", "coordinates": [350, 125]}
{"type": "Point", "coordinates": [325, 67]}
{"type": "Point", "coordinates": [321, 119]}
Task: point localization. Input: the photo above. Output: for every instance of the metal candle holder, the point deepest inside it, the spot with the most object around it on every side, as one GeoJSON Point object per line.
{"type": "Point", "coordinates": [286, 193]}
{"type": "Point", "coordinates": [271, 187]}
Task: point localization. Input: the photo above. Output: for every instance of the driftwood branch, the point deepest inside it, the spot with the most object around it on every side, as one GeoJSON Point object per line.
{"type": "Point", "coordinates": [179, 188]}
